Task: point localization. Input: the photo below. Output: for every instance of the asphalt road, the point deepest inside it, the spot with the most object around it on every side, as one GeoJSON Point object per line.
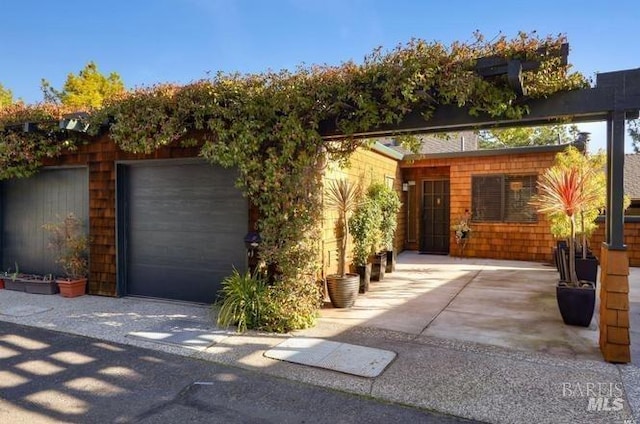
{"type": "Point", "coordinates": [52, 377]}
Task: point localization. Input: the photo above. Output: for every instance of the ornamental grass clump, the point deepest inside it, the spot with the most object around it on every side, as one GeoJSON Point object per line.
{"type": "Point", "coordinates": [244, 299]}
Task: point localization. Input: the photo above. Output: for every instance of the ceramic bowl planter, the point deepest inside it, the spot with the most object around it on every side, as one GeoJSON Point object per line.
{"type": "Point", "coordinates": [72, 288]}
{"type": "Point", "coordinates": [343, 290]}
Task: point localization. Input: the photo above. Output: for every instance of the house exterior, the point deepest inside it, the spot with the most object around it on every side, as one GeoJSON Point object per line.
{"type": "Point", "coordinates": [169, 225]}
{"type": "Point", "coordinates": [166, 225]}
{"type": "Point", "coordinates": [378, 164]}
{"type": "Point", "coordinates": [494, 185]}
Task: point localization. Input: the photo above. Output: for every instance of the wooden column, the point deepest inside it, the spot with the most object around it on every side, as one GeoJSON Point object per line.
{"type": "Point", "coordinates": [614, 286]}
{"type": "Point", "coordinates": [614, 305]}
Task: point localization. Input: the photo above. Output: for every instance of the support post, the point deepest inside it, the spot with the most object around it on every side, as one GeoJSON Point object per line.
{"type": "Point", "coordinates": [614, 261]}
{"type": "Point", "coordinates": [615, 184]}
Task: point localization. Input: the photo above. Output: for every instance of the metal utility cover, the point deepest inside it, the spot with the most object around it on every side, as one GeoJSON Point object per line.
{"type": "Point", "coordinates": [343, 357]}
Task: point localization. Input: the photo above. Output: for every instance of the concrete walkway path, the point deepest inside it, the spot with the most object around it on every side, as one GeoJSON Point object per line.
{"type": "Point", "coordinates": [473, 338]}
{"type": "Point", "coordinates": [503, 303]}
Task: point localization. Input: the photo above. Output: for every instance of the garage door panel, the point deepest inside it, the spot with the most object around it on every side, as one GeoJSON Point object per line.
{"type": "Point", "coordinates": [189, 249]}
{"type": "Point", "coordinates": [160, 217]}
{"type": "Point", "coordinates": [29, 203]}
{"type": "Point", "coordinates": [168, 287]}
{"type": "Point", "coordinates": [186, 223]}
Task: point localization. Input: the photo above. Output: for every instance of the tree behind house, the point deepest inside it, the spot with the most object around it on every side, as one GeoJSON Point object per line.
{"type": "Point", "coordinates": [88, 89]}
{"type": "Point", "coordinates": [526, 136]}
{"type": "Point", "coordinates": [6, 96]}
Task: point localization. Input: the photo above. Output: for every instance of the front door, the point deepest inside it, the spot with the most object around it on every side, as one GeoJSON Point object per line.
{"type": "Point", "coordinates": [435, 217]}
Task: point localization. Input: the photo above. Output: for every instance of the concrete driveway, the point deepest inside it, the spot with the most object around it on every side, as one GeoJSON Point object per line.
{"type": "Point", "coordinates": [505, 303]}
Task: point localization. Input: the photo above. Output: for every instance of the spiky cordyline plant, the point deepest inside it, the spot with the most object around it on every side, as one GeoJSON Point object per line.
{"type": "Point", "coordinates": [343, 197]}
{"type": "Point", "coordinates": [568, 191]}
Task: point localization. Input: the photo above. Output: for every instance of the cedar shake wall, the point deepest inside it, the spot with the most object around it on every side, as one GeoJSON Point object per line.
{"type": "Point", "coordinates": [497, 240]}
{"type": "Point", "coordinates": [365, 166]}
{"type": "Point", "coordinates": [528, 241]}
{"type": "Point", "coordinates": [631, 239]}
{"type": "Point", "coordinates": [100, 156]}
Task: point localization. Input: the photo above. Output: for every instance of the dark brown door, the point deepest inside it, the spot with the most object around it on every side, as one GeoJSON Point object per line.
{"type": "Point", "coordinates": [435, 217]}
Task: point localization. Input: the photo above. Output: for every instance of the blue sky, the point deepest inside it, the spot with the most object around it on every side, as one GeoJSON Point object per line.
{"type": "Point", "coordinates": [183, 40]}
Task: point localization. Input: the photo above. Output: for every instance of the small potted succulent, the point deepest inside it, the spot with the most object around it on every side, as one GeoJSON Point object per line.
{"type": "Point", "coordinates": [70, 247]}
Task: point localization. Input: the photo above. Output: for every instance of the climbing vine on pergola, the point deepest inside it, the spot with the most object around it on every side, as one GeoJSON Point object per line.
{"type": "Point", "coordinates": [269, 127]}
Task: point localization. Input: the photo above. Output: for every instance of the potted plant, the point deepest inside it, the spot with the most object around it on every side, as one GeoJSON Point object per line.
{"type": "Point", "coordinates": [586, 264]}
{"type": "Point", "coordinates": [70, 246]}
{"type": "Point", "coordinates": [388, 204]}
{"type": "Point", "coordinates": [39, 284]}
{"type": "Point", "coordinates": [11, 280]}
{"type": "Point", "coordinates": [462, 232]}
{"type": "Point", "coordinates": [363, 225]}
{"type": "Point", "coordinates": [567, 190]}
{"type": "Point", "coordinates": [342, 197]}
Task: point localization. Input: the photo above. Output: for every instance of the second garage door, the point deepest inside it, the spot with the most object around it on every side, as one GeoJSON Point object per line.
{"type": "Point", "coordinates": [184, 226]}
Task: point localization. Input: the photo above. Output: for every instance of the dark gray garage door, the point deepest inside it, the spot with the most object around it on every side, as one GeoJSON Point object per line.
{"type": "Point", "coordinates": [185, 226]}
{"type": "Point", "coordinates": [27, 204]}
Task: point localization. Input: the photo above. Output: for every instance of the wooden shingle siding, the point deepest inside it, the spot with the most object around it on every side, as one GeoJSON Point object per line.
{"type": "Point", "coordinates": [365, 167]}
{"type": "Point", "coordinates": [100, 156]}
{"type": "Point", "coordinates": [631, 239]}
{"type": "Point", "coordinates": [497, 240]}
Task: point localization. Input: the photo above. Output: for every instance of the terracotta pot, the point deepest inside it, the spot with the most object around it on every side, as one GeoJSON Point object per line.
{"type": "Point", "coordinates": [72, 288]}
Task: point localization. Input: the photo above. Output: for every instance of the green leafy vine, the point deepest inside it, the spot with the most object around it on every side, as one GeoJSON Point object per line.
{"type": "Point", "coordinates": [269, 126]}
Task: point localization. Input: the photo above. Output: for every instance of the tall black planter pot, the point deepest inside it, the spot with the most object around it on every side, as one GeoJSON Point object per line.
{"type": "Point", "coordinates": [365, 277]}
{"type": "Point", "coordinates": [391, 262]}
{"type": "Point", "coordinates": [378, 267]}
{"type": "Point", "coordinates": [576, 304]}
{"type": "Point", "coordinates": [587, 269]}
{"type": "Point", "coordinates": [343, 290]}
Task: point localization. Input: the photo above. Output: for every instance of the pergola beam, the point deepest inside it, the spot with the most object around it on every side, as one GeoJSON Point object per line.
{"type": "Point", "coordinates": [618, 91]}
